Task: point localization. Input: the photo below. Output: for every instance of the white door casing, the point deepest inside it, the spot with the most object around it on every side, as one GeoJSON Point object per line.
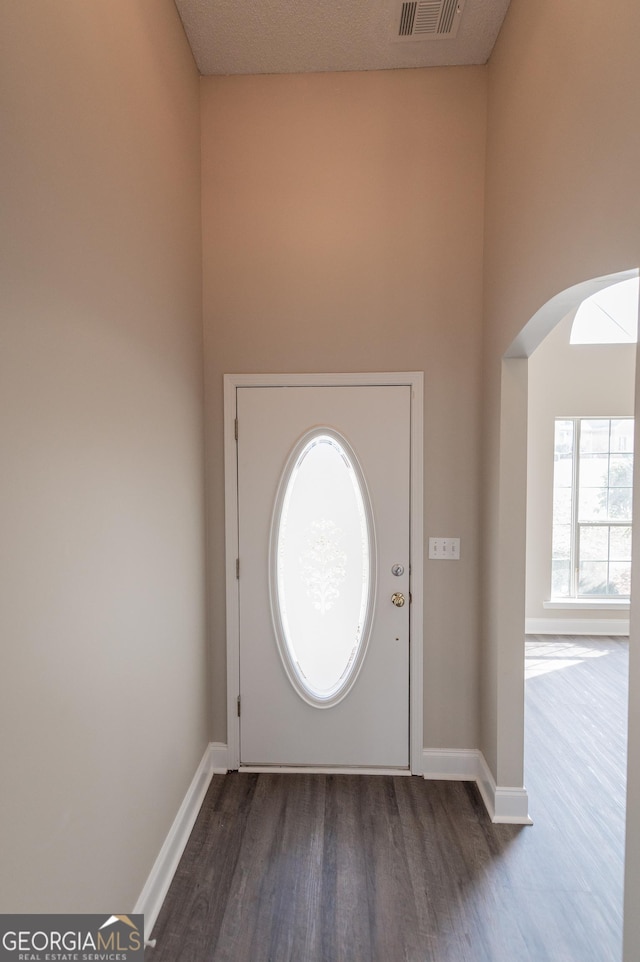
{"type": "Point", "coordinates": [367, 729]}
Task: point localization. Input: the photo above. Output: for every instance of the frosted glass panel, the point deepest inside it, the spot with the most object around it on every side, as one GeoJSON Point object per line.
{"type": "Point", "coordinates": [323, 567]}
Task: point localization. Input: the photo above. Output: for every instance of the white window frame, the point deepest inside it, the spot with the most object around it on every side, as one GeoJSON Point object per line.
{"type": "Point", "coordinates": [577, 525]}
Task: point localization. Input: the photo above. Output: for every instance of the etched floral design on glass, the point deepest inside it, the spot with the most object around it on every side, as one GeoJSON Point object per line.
{"type": "Point", "coordinates": [323, 565]}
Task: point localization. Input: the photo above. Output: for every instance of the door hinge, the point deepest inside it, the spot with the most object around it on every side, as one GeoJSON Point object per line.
{"type": "Point", "coordinates": [238, 706]}
{"type": "Point", "coordinates": [235, 428]}
{"type": "Point", "coordinates": [237, 567]}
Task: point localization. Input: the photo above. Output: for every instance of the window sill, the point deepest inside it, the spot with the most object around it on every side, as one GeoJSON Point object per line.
{"type": "Point", "coordinates": [587, 604]}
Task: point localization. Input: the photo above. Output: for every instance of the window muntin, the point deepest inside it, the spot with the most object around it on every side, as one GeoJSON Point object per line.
{"type": "Point", "coordinates": [592, 505]}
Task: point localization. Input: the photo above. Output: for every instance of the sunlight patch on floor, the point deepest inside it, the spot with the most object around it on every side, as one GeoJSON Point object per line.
{"type": "Point", "coordinates": [548, 656]}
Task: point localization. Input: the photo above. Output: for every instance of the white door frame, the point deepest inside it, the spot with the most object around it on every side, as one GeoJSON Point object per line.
{"type": "Point", "coordinates": [413, 379]}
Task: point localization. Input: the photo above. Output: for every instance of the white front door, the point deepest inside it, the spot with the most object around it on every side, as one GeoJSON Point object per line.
{"type": "Point", "coordinates": [323, 535]}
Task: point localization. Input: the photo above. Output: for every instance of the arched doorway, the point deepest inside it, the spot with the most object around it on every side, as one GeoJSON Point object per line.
{"type": "Point", "coordinates": [510, 560]}
{"type": "Point", "coordinates": [505, 604]}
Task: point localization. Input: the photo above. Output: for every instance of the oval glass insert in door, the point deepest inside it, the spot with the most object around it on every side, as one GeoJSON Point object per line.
{"type": "Point", "coordinates": [322, 567]}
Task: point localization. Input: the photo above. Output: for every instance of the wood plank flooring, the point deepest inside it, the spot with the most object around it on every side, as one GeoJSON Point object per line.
{"type": "Point", "coordinates": [345, 868]}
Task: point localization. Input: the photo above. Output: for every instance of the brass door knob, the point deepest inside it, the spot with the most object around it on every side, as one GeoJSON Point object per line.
{"type": "Point", "coordinates": [397, 599]}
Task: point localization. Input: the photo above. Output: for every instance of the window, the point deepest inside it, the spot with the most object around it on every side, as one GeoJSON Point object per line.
{"type": "Point", "coordinates": [592, 499]}
{"type": "Point", "coordinates": [609, 316]}
{"type": "Point", "coordinates": [322, 579]}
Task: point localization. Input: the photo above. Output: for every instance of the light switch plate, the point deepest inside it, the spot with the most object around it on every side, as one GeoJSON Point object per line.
{"type": "Point", "coordinates": [444, 549]}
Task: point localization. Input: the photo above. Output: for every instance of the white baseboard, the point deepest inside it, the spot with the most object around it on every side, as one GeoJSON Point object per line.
{"type": "Point", "coordinates": [577, 626]}
{"type": "Point", "coordinates": [503, 804]}
{"type": "Point", "coordinates": [157, 885]}
{"type": "Point", "coordinates": [219, 755]}
{"type": "Point", "coordinates": [455, 765]}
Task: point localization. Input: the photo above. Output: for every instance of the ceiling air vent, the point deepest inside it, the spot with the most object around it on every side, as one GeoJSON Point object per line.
{"type": "Point", "coordinates": [429, 19]}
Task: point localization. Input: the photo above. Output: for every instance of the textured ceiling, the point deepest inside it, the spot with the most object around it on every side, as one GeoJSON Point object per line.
{"type": "Point", "coordinates": [301, 36]}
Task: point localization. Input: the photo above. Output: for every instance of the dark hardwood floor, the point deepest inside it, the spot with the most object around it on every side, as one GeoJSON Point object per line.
{"type": "Point", "coordinates": [328, 868]}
